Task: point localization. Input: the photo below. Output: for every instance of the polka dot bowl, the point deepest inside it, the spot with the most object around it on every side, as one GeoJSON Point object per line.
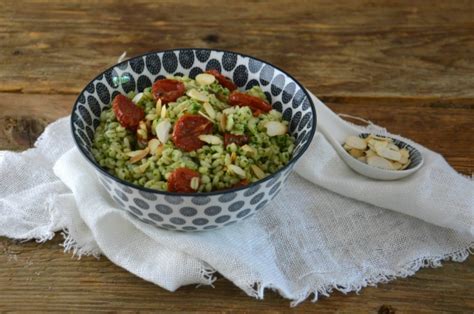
{"type": "Point", "coordinates": [198, 211]}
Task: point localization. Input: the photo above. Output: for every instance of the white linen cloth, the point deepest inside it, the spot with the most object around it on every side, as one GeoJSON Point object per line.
{"type": "Point", "coordinates": [329, 228]}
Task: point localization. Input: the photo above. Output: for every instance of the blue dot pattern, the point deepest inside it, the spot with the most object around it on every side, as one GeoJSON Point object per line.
{"type": "Point", "coordinates": [164, 209]}
{"type": "Point", "coordinates": [170, 62]}
{"type": "Point", "coordinates": [212, 210]}
{"type": "Point", "coordinates": [213, 65]}
{"type": "Point", "coordinates": [188, 211]}
{"type": "Point", "coordinates": [236, 206]}
{"type": "Point", "coordinates": [229, 60]}
{"type": "Point", "coordinates": [155, 217]}
{"type": "Point", "coordinates": [128, 82]}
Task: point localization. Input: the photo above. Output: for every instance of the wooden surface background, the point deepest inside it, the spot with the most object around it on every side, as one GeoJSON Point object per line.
{"type": "Point", "coordinates": [406, 65]}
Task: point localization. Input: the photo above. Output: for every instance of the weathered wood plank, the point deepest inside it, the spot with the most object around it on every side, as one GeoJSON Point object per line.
{"type": "Point", "coordinates": [352, 48]}
{"type": "Point", "coordinates": [406, 65]}
{"type": "Point", "coordinates": [52, 280]}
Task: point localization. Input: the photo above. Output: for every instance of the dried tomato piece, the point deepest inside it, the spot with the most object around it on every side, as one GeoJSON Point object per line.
{"type": "Point", "coordinates": [241, 183]}
{"type": "Point", "coordinates": [167, 90]}
{"type": "Point", "coordinates": [180, 180]}
{"type": "Point", "coordinates": [224, 81]}
{"type": "Point", "coordinates": [127, 113]}
{"type": "Point", "coordinates": [187, 130]}
{"type": "Point", "coordinates": [237, 98]}
{"type": "Point", "coordinates": [257, 112]}
{"type": "Point", "coordinates": [237, 139]}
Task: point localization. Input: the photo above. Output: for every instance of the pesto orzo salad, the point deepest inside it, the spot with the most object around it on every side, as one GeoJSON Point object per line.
{"type": "Point", "coordinates": [192, 135]}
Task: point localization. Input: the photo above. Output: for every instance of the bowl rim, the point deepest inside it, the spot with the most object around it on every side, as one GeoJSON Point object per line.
{"type": "Point", "coordinates": [196, 194]}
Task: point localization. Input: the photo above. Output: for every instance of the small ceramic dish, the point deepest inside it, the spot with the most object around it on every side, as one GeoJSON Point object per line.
{"type": "Point", "coordinates": [416, 161]}
{"type": "Point", "coordinates": [193, 211]}
{"type": "Point", "coordinates": [338, 135]}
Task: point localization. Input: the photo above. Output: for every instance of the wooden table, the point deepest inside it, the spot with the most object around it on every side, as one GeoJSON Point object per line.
{"type": "Point", "coordinates": [408, 66]}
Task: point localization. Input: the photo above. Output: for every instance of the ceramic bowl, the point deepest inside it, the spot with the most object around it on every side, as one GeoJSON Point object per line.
{"type": "Point", "coordinates": [197, 211]}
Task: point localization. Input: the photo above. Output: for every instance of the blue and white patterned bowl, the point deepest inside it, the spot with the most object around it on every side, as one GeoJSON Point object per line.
{"type": "Point", "coordinates": [185, 211]}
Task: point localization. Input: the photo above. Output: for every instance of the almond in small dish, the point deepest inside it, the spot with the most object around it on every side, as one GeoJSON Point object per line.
{"type": "Point", "coordinates": [378, 151]}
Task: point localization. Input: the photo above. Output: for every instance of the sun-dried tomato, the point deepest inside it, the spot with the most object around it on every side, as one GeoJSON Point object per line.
{"type": "Point", "coordinates": [237, 139]}
{"type": "Point", "coordinates": [224, 81]}
{"type": "Point", "coordinates": [237, 98]}
{"type": "Point", "coordinates": [187, 130]}
{"type": "Point", "coordinates": [180, 180]}
{"type": "Point", "coordinates": [241, 183]}
{"type": "Point", "coordinates": [167, 90]}
{"type": "Point", "coordinates": [127, 113]}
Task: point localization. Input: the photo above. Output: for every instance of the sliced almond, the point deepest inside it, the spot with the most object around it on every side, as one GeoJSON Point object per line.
{"type": "Point", "coordinates": [393, 147]}
{"type": "Point", "coordinates": [248, 149]}
{"type": "Point", "coordinates": [229, 110]}
{"type": "Point", "coordinates": [211, 139]}
{"type": "Point", "coordinates": [406, 165]}
{"type": "Point", "coordinates": [405, 155]}
{"type": "Point", "coordinates": [275, 128]}
{"type": "Point", "coordinates": [163, 112]}
{"type": "Point", "coordinates": [237, 170]}
{"type": "Point", "coordinates": [257, 171]}
{"type": "Point", "coordinates": [369, 153]}
{"type": "Point", "coordinates": [150, 117]}
{"type": "Point", "coordinates": [379, 162]}
{"type": "Point", "coordinates": [197, 95]}
{"type": "Point", "coordinates": [163, 130]}
{"type": "Point", "coordinates": [396, 165]}
{"type": "Point", "coordinates": [158, 107]}
{"type": "Point", "coordinates": [205, 79]}
{"type": "Point", "coordinates": [142, 133]}
{"type": "Point", "coordinates": [153, 145]}
{"type": "Point", "coordinates": [209, 110]}
{"type": "Point", "coordinates": [138, 155]}
{"type": "Point", "coordinates": [356, 142]}
{"type": "Point", "coordinates": [137, 98]}
{"type": "Point", "coordinates": [134, 153]}
{"type": "Point", "coordinates": [160, 150]}
{"type": "Point", "coordinates": [356, 153]}
{"type": "Point", "coordinates": [142, 125]}
{"type": "Point", "coordinates": [223, 122]}
{"type": "Point", "coordinates": [142, 137]}
{"type": "Point", "coordinates": [388, 153]}
{"type": "Point", "coordinates": [404, 152]}
{"type": "Point", "coordinates": [227, 159]}
{"type": "Point", "coordinates": [122, 57]}
{"type": "Point", "coordinates": [379, 152]}
{"type": "Point", "coordinates": [205, 116]}
{"type": "Point", "coordinates": [372, 143]}
{"type": "Point", "coordinates": [194, 183]}
{"type": "Point", "coordinates": [379, 145]}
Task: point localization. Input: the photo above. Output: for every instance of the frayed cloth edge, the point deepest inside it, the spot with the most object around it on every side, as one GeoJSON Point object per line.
{"type": "Point", "coordinates": [257, 288]}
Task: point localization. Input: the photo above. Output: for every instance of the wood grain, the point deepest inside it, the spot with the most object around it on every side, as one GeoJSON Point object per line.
{"type": "Point", "coordinates": [352, 48]}
{"type": "Point", "coordinates": [406, 65]}
{"type": "Point", "coordinates": [40, 277]}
